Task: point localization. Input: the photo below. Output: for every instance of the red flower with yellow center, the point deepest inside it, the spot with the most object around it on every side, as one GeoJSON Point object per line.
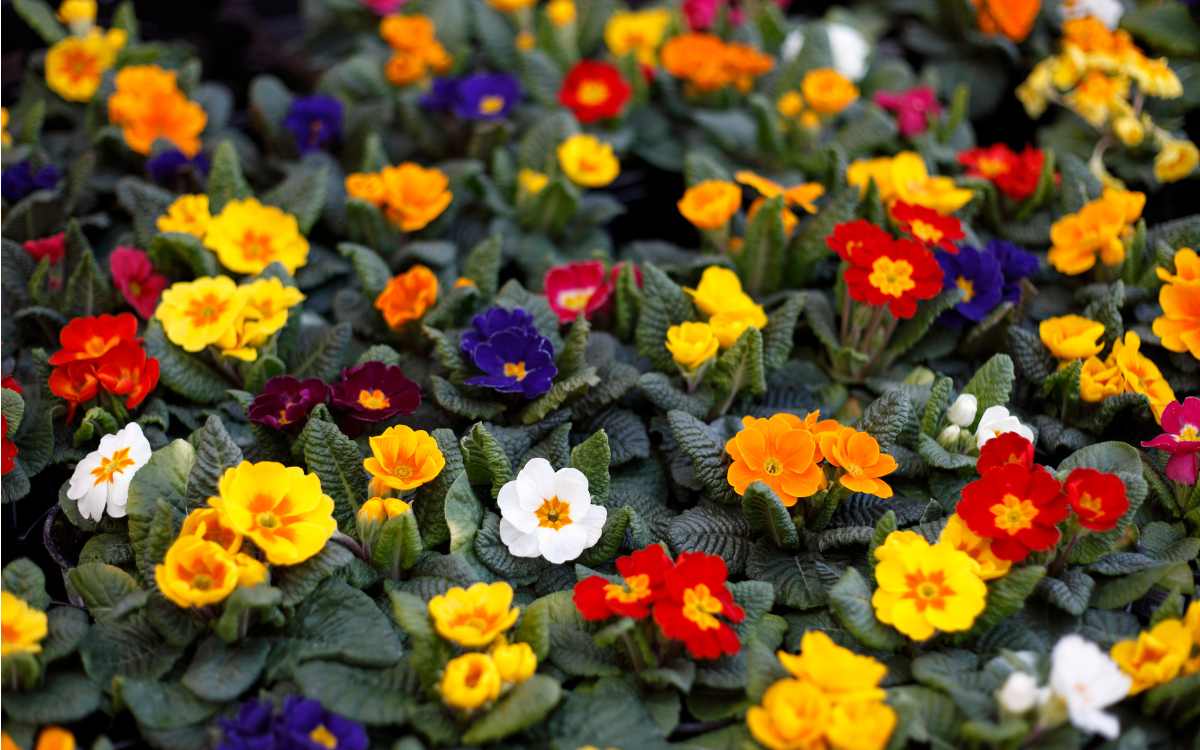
{"type": "Point", "coordinates": [852, 237]}
{"type": "Point", "coordinates": [927, 226]}
{"type": "Point", "coordinates": [898, 274]}
{"type": "Point", "coordinates": [1005, 449]}
{"type": "Point", "coordinates": [594, 91]}
{"type": "Point", "coordinates": [697, 607]}
{"type": "Point", "coordinates": [644, 575]}
{"type": "Point", "coordinates": [75, 383]}
{"type": "Point", "coordinates": [1098, 498]}
{"type": "Point", "coordinates": [90, 338]}
{"type": "Point", "coordinates": [1017, 508]}
{"type": "Point", "coordinates": [574, 288]}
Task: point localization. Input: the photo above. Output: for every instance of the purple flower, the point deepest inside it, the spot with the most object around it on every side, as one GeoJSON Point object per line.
{"type": "Point", "coordinates": [170, 166]}
{"type": "Point", "coordinates": [978, 274]}
{"type": "Point", "coordinates": [1016, 263]}
{"type": "Point", "coordinates": [21, 180]}
{"type": "Point", "coordinates": [486, 96]}
{"type": "Point", "coordinates": [374, 392]}
{"type": "Point", "coordinates": [1180, 438]}
{"type": "Point", "coordinates": [490, 322]}
{"type": "Point", "coordinates": [515, 360]}
{"type": "Point", "coordinates": [305, 725]}
{"type": "Point", "coordinates": [285, 401]}
{"type": "Point", "coordinates": [315, 121]}
{"type": "Point", "coordinates": [442, 95]}
{"type": "Point", "coordinates": [251, 729]}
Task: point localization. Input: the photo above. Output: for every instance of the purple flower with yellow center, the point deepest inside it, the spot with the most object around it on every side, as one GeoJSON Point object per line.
{"type": "Point", "coordinates": [1016, 263]}
{"type": "Point", "coordinates": [285, 401]}
{"type": "Point", "coordinates": [252, 728]}
{"type": "Point", "coordinates": [170, 166]}
{"type": "Point", "coordinates": [490, 322]}
{"type": "Point", "coordinates": [315, 122]}
{"type": "Point", "coordinates": [515, 360]}
{"type": "Point", "coordinates": [977, 273]}
{"type": "Point", "coordinates": [486, 96]}
{"type": "Point", "coordinates": [374, 392]}
{"type": "Point", "coordinates": [306, 725]}
{"type": "Point", "coordinates": [22, 179]}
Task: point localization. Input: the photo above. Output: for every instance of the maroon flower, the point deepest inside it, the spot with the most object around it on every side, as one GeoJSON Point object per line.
{"type": "Point", "coordinates": [285, 402]}
{"type": "Point", "coordinates": [374, 392]}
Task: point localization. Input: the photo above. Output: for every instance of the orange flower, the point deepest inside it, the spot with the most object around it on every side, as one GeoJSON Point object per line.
{"type": "Point", "coordinates": [710, 204]}
{"type": "Point", "coordinates": [827, 91]}
{"type": "Point", "coordinates": [708, 63]}
{"type": "Point", "coordinates": [415, 196]}
{"type": "Point", "coordinates": [403, 458]}
{"type": "Point", "coordinates": [416, 49]}
{"type": "Point", "coordinates": [407, 296]}
{"type": "Point", "coordinates": [1012, 18]}
{"type": "Point", "coordinates": [860, 459]}
{"type": "Point", "coordinates": [1179, 325]}
{"type": "Point", "coordinates": [148, 105]}
{"type": "Point", "coordinates": [780, 452]}
{"type": "Point", "coordinates": [1097, 229]}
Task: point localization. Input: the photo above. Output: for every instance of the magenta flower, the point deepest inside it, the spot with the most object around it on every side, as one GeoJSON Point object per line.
{"type": "Point", "coordinates": [1180, 438]}
{"type": "Point", "coordinates": [913, 108]}
{"type": "Point", "coordinates": [134, 275]}
{"type": "Point", "coordinates": [384, 7]}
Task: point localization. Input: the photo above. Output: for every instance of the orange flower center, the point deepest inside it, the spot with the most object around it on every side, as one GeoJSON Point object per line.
{"type": "Point", "coordinates": [323, 737]}
{"type": "Point", "coordinates": [1014, 514]}
{"type": "Point", "coordinates": [515, 370]}
{"type": "Point", "coordinates": [80, 65]}
{"type": "Point", "coordinates": [575, 299]}
{"type": "Point", "coordinates": [257, 246]}
{"type": "Point", "coordinates": [773, 466]}
{"type": "Point", "coordinates": [553, 514]}
{"type": "Point", "coordinates": [699, 606]}
{"type": "Point", "coordinates": [478, 619]}
{"type": "Point", "coordinates": [374, 399]}
{"type": "Point", "coordinates": [10, 633]}
{"type": "Point", "coordinates": [967, 286]}
{"type": "Point", "coordinates": [591, 93]}
{"type": "Point", "coordinates": [205, 310]}
{"type": "Point", "coordinates": [990, 167]}
{"type": "Point", "coordinates": [928, 590]}
{"type": "Point", "coordinates": [634, 589]}
{"type": "Point", "coordinates": [474, 674]}
{"type": "Point", "coordinates": [893, 278]}
{"type": "Point", "coordinates": [491, 104]}
{"type": "Point", "coordinates": [111, 466]}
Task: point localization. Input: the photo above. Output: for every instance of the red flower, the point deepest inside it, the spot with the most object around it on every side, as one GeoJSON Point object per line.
{"type": "Point", "coordinates": [1098, 498]}
{"type": "Point", "coordinates": [594, 91]}
{"type": "Point", "coordinates": [8, 449]}
{"type": "Point", "coordinates": [53, 247]}
{"type": "Point", "coordinates": [849, 237]}
{"type": "Point", "coordinates": [696, 607]}
{"type": "Point", "coordinates": [644, 573]}
{"type": "Point", "coordinates": [90, 338]}
{"type": "Point", "coordinates": [127, 371]}
{"type": "Point", "coordinates": [75, 383]}
{"type": "Point", "coordinates": [927, 226]}
{"type": "Point", "coordinates": [898, 275]}
{"type": "Point", "coordinates": [1003, 450]}
{"type": "Point", "coordinates": [134, 275]}
{"type": "Point", "coordinates": [1015, 174]}
{"type": "Point", "coordinates": [11, 384]}
{"type": "Point", "coordinates": [1017, 508]}
{"type": "Point", "coordinates": [580, 287]}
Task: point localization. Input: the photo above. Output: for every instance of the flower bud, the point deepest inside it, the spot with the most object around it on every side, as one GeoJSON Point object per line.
{"type": "Point", "coordinates": [920, 376]}
{"type": "Point", "coordinates": [1019, 693]}
{"type": "Point", "coordinates": [962, 411]}
{"type": "Point", "coordinates": [1129, 130]}
{"type": "Point", "coordinates": [948, 438]}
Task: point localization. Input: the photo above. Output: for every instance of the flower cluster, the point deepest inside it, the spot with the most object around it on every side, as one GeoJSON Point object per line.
{"type": "Point", "coordinates": [409, 195]}
{"type": "Point", "coordinates": [102, 356]}
{"type": "Point", "coordinates": [364, 395]}
{"type": "Point", "coordinates": [416, 51]}
{"type": "Point", "coordinates": [707, 63]}
{"type": "Point", "coordinates": [1125, 370]}
{"type": "Point", "coordinates": [904, 177]}
{"type": "Point", "coordinates": [1099, 229]}
{"type": "Point", "coordinates": [246, 235]}
{"type": "Point", "coordinates": [148, 105]}
{"type": "Point", "coordinates": [1158, 655]}
{"type": "Point", "coordinates": [1016, 174]}
{"type": "Point", "coordinates": [730, 311]}
{"type": "Point", "coordinates": [1178, 328]}
{"type": "Point", "coordinates": [298, 723]}
{"type": "Point", "coordinates": [237, 320]}
{"type": "Point", "coordinates": [514, 358]}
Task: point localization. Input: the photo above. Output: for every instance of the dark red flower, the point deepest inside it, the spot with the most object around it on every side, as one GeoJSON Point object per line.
{"type": "Point", "coordinates": [897, 275]}
{"type": "Point", "coordinates": [850, 237]}
{"type": "Point", "coordinates": [127, 371]}
{"type": "Point", "coordinates": [53, 247]}
{"type": "Point", "coordinates": [134, 275]}
{"type": "Point", "coordinates": [645, 575]}
{"type": "Point", "coordinates": [927, 226]}
{"type": "Point", "coordinates": [1005, 449]}
{"type": "Point", "coordinates": [90, 338]}
{"type": "Point", "coordinates": [1098, 498]}
{"type": "Point", "coordinates": [696, 607]}
{"type": "Point", "coordinates": [76, 383]}
{"type": "Point", "coordinates": [1017, 508]}
{"type": "Point", "coordinates": [373, 392]}
{"type": "Point", "coordinates": [285, 401]}
{"type": "Point", "coordinates": [8, 449]}
{"type": "Point", "coordinates": [579, 287]}
{"type": "Point", "coordinates": [594, 90]}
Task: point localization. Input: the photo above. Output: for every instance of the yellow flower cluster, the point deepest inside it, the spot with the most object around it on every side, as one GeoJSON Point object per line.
{"type": "Point", "coordinates": [904, 177]}
{"type": "Point", "coordinates": [1125, 370]}
{"type": "Point", "coordinates": [410, 195]}
{"type": "Point", "coordinates": [280, 509]}
{"type": "Point", "coordinates": [924, 589]}
{"type": "Point", "coordinates": [823, 93]}
{"type": "Point", "coordinates": [1094, 75]}
{"type": "Point", "coordinates": [1099, 229]}
{"type": "Point", "coordinates": [638, 33]}
{"type": "Point", "coordinates": [1178, 327]}
{"type": "Point", "coordinates": [588, 161]}
{"type": "Point", "coordinates": [75, 65]}
{"type": "Point", "coordinates": [730, 310]}
{"type": "Point", "coordinates": [24, 627]}
{"type": "Point", "coordinates": [247, 236]}
{"type": "Point", "coordinates": [214, 311]}
{"type": "Point", "coordinates": [832, 699]}
{"type": "Point", "coordinates": [416, 51]}
{"type": "Point", "coordinates": [1169, 649]}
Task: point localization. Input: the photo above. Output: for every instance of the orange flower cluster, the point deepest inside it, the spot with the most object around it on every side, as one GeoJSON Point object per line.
{"type": "Point", "coordinates": [708, 63]}
{"type": "Point", "coordinates": [102, 352]}
{"type": "Point", "coordinates": [416, 51]}
{"type": "Point", "coordinates": [1179, 325]}
{"type": "Point", "coordinates": [410, 195]}
{"type": "Point", "coordinates": [1126, 370]}
{"type": "Point", "coordinates": [1099, 229]}
{"type": "Point", "coordinates": [149, 105]}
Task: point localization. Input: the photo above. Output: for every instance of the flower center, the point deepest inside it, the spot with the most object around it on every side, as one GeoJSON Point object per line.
{"type": "Point", "coordinates": [575, 299]}
{"type": "Point", "coordinates": [80, 65]}
{"type": "Point", "coordinates": [374, 399]}
{"type": "Point", "coordinates": [96, 346]}
{"type": "Point", "coordinates": [553, 514]}
{"type": "Point", "coordinates": [928, 590]}
{"type": "Point", "coordinates": [1093, 505]}
{"type": "Point", "coordinates": [257, 246]}
{"type": "Point", "coordinates": [591, 93]}
{"type": "Point", "coordinates": [893, 278]}
{"type": "Point", "coordinates": [474, 674]}
{"type": "Point", "coordinates": [205, 310]}
{"type": "Point", "coordinates": [699, 606]}
{"type": "Point", "coordinates": [202, 581]}
{"type": "Point", "coordinates": [515, 370]}
{"type": "Point", "coordinates": [1014, 514]}
{"type": "Point", "coordinates": [10, 633]}
{"type": "Point", "coordinates": [1189, 434]}
{"type": "Point", "coordinates": [111, 466]}
{"type": "Point", "coordinates": [267, 520]}
{"type": "Point", "coordinates": [491, 104]}
{"type": "Point", "coordinates": [323, 737]}
{"type": "Point", "coordinates": [634, 589]}
{"type": "Point", "coordinates": [402, 471]}
{"type": "Point", "coordinates": [990, 167]}
{"type": "Point", "coordinates": [773, 467]}
{"type": "Point", "coordinates": [967, 286]}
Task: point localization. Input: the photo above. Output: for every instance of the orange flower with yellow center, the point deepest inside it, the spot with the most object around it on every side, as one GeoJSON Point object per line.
{"type": "Point", "coordinates": [857, 454]}
{"type": "Point", "coordinates": [780, 452]}
{"type": "Point", "coordinates": [403, 458]}
{"type": "Point", "coordinates": [1155, 656]}
{"type": "Point", "coordinates": [1179, 325]}
{"type": "Point", "coordinates": [710, 204]}
{"type": "Point", "coordinates": [407, 296]}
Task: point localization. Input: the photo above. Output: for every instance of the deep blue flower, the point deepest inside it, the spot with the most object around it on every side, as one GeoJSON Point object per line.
{"type": "Point", "coordinates": [515, 360]}
{"type": "Point", "coordinates": [442, 95]}
{"type": "Point", "coordinates": [978, 274]}
{"type": "Point", "coordinates": [486, 96]}
{"type": "Point", "coordinates": [21, 180]}
{"type": "Point", "coordinates": [1016, 263]}
{"type": "Point", "coordinates": [315, 121]}
{"type": "Point", "coordinates": [251, 729]}
{"type": "Point", "coordinates": [490, 322]}
{"type": "Point", "coordinates": [168, 167]}
{"type": "Point", "coordinates": [305, 725]}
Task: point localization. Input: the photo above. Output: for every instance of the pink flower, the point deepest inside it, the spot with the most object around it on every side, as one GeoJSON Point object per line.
{"type": "Point", "coordinates": [579, 287]}
{"type": "Point", "coordinates": [1180, 438]}
{"type": "Point", "coordinates": [914, 108]}
{"type": "Point", "coordinates": [53, 247]}
{"type": "Point", "coordinates": [134, 275]}
{"type": "Point", "coordinates": [384, 7]}
{"type": "Point", "coordinates": [701, 14]}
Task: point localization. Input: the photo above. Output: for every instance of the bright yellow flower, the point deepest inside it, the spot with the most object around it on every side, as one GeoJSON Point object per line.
{"type": "Point", "coordinates": [719, 290]}
{"type": "Point", "coordinates": [516, 662]}
{"type": "Point", "coordinates": [1155, 656]}
{"type": "Point", "coordinates": [1129, 130]}
{"type": "Point", "coordinates": [208, 524]}
{"type": "Point", "coordinates": [250, 570]}
{"type": "Point", "coordinates": [1178, 327]}
{"type": "Point", "coordinates": [1191, 620]}
{"type": "Point", "coordinates": [76, 65]}
{"type": "Point", "coordinates": [1097, 96]}
{"type": "Point", "coordinates": [415, 196]}
{"type": "Point", "coordinates": [958, 535]}
{"type": "Point", "coordinates": [196, 573]}
{"type": "Point", "coordinates": [862, 172]}
{"type": "Point", "coordinates": [148, 105]}
{"type": "Point", "coordinates": [913, 184]}
{"type": "Point", "coordinates": [638, 33]}
{"type": "Point", "coordinates": [710, 204]}
{"type": "Point", "coordinates": [1072, 336]}
{"type": "Point", "coordinates": [731, 324]}
{"type": "Point", "coordinates": [588, 161]}
{"type": "Point", "coordinates": [248, 236]}
{"type": "Point", "coordinates": [1140, 373]}
{"type": "Point", "coordinates": [403, 458]}
{"type": "Point", "coordinates": [1176, 160]}
{"type": "Point", "coordinates": [561, 12]}
{"type": "Point", "coordinates": [263, 313]}
{"type": "Point", "coordinates": [794, 715]}
{"type": "Point", "coordinates": [861, 726]}
{"type": "Point", "coordinates": [470, 681]}
{"type": "Point", "coordinates": [187, 214]}
{"type": "Point", "coordinates": [1100, 379]}
{"type": "Point", "coordinates": [280, 508]}
{"type": "Point", "coordinates": [790, 104]}
{"type": "Point", "coordinates": [195, 314]}
{"type": "Point", "coordinates": [475, 616]}
{"type": "Point", "coordinates": [5, 137]}
{"type": "Point", "coordinates": [924, 589]}
{"type": "Point", "coordinates": [531, 181]}
{"type": "Point", "coordinates": [77, 14]}
{"type": "Point", "coordinates": [842, 674]}
{"type": "Point", "coordinates": [692, 344]}
{"type": "Point", "coordinates": [380, 509]}
{"type": "Point", "coordinates": [24, 627]}
{"type": "Point", "coordinates": [827, 91]}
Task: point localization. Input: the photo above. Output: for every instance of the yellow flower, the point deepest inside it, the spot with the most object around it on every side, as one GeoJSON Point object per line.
{"type": "Point", "coordinates": [1176, 160]}
{"type": "Point", "coordinates": [924, 589]}
{"type": "Point", "coordinates": [251, 571]}
{"type": "Point", "coordinates": [958, 535]}
{"type": "Point", "coordinates": [913, 184]}
{"type": "Point", "coordinates": [790, 104]}
{"type": "Point", "coordinates": [188, 214]}
{"type": "Point", "coordinates": [827, 91]}
{"type": "Point", "coordinates": [280, 508]}
{"type": "Point", "coordinates": [637, 32]}
{"type": "Point", "coordinates": [525, 41]}
{"type": "Point", "coordinates": [207, 524]}
{"type": "Point", "coordinates": [195, 314]}
{"type": "Point", "coordinates": [794, 715]}
{"type": "Point", "coordinates": [380, 509]}
{"type": "Point", "coordinates": [728, 326]}
{"type": "Point", "coordinates": [76, 65]}
{"type": "Point", "coordinates": [415, 196]}
{"type": "Point", "coordinates": [861, 726]}
{"type": "Point", "coordinates": [561, 12]}
{"type": "Point", "coordinates": [1100, 379]}
{"type": "Point", "coordinates": [263, 313]}
{"type": "Point", "coordinates": [1072, 336]}
{"type": "Point", "coordinates": [470, 681]}
{"type": "Point", "coordinates": [1140, 373]}
{"type": "Point", "coordinates": [5, 137]}
{"type": "Point", "coordinates": [248, 236]}
{"type": "Point", "coordinates": [1129, 129]}
{"type": "Point", "coordinates": [403, 458]}
{"type": "Point", "coordinates": [692, 344]}
{"type": "Point", "coordinates": [1097, 96]}
{"type": "Point", "coordinates": [1155, 656]}
{"type": "Point", "coordinates": [710, 204]}
{"type": "Point", "coordinates": [588, 161]}
{"type": "Point", "coordinates": [509, 6]}
{"type": "Point", "coordinates": [719, 290]}
{"type": "Point", "coordinates": [196, 573]}
{"type": "Point", "coordinates": [77, 14]}
{"type": "Point", "coordinates": [366, 186]}
{"type": "Point", "coordinates": [24, 627]}
{"type": "Point", "coordinates": [842, 674]}
{"type": "Point", "coordinates": [516, 662]}
{"type": "Point", "coordinates": [862, 172]}
{"type": "Point", "coordinates": [1178, 327]}
{"type": "Point", "coordinates": [475, 616]}
{"type": "Point", "coordinates": [531, 181]}
{"type": "Point", "coordinates": [1191, 620]}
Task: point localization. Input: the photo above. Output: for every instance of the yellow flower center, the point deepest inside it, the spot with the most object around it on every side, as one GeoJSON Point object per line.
{"type": "Point", "coordinates": [553, 514]}
{"type": "Point", "coordinates": [491, 104]}
{"type": "Point", "coordinates": [989, 167]}
{"type": "Point", "coordinates": [96, 346]}
{"type": "Point", "coordinates": [634, 589]}
{"type": "Point", "coordinates": [1189, 434]}
{"type": "Point", "coordinates": [205, 310]}
{"type": "Point", "coordinates": [773, 467]}
{"type": "Point", "coordinates": [575, 299]}
{"type": "Point", "coordinates": [323, 737]}
{"type": "Point", "coordinates": [256, 246]}
{"type": "Point", "coordinates": [478, 620]}
{"type": "Point", "coordinates": [1091, 504]}
{"type": "Point", "coordinates": [699, 606]}
{"type": "Point", "coordinates": [967, 286]}
{"type": "Point", "coordinates": [925, 231]}
{"type": "Point", "coordinates": [402, 471]}
{"type": "Point", "coordinates": [1014, 514]}
{"type": "Point", "coordinates": [375, 399]}
{"type": "Point", "coordinates": [893, 278]}
{"type": "Point", "coordinates": [928, 590]}
{"type": "Point", "coordinates": [267, 520]}
{"type": "Point", "coordinates": [515, 370]}
{"type": "Point", "coordinates": [591, 93]}
{"type": "Point", "coordinates": [111, 466]}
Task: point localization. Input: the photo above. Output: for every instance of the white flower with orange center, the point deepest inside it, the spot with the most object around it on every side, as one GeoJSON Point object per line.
{"type": "Point", "coordinates": [101, 479]}
{"type": "Point", "coordinates": [549, 514]}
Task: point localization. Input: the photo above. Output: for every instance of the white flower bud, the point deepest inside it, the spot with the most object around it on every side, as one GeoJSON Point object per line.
{"type": "Point", "coordinates": [1019, 693]}
{"type": "Point", "coordinates": [962, 411]}
{"type": "Point", "coordinates": [948, 438]}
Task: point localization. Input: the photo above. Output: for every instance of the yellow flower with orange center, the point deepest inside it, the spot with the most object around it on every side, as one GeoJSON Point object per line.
{"type": "Point", "coordinates": [196, 314]}
{"type": "Point", "coordinates": [1141, 374]}
{"type": "Point", "coordinates": [1178, 328]}
{"type": "Point", "coordinates": [958, 535]}
{"type": "Point", "coordinates": [637, 33]}
{"type": "Point", "coordinates": [76, 65]}
{"type": "Point", "coordinates": [863, 725]}
{"type": "Point", "coordinates": [24, 627]}
{"type": "Point", "coordinates": [470, 681]}
{"type": "Point", "coordinates": [588, 161]}
{"type": "Point", "coordinates": [474, 617]}
{"type": "Point", "coordinates": [1097, 96]}
{"type": "Point", "coordinates": [187, 214]}
{"type": "Point", "coordinates": [208, 524]}
{"type": "Point", "coordinates": [1072, 336]}
{"type": "Point", "coordinates": [248, 236]}
{"type": "Point", "coordinates": [710, 204]}
{"type": "Point", "coordinates": [407, 296]}
{"type": "Point", "coordinates": [857, 454]}
{"type": "Point", "coordinates": [196, 572]}
{"type": "Point", "coordinates": [924, 589]}
{"type": "Point", "coordinates": [828, 92]}
{"type": "Point", "coordinates": [380, 509]}
{"type": "Point", "coordinates": [531, 181]}
{"type": "Point", "coordinates": [561, 12]}
{"type": "Point", "coordinates": [1156, 656]}
{"type": "Point", "coordinates": [839, 672]}
{"type": "Point", "coordinates": [263, 313]}
{"type": "Point", "coordinates": [403, 458]}
{"type": "Point", "coordinates": [148, 105]}
{"type": "Point", "coordinates": [729, 325]}
{"type": "Point", "coordinates": [779, 452]}
{"type": "Point", "coordinates": [1191, 620]}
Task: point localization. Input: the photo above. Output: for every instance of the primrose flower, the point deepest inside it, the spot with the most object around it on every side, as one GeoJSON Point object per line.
{"type": "Point", "coordinates": [574, 288]}
{"type": "Point", "coordinates": [1071, 337]}
{"type": "Point", "coordinates": [21, 180]}
{"type": "Point", "coordinates": [304, 723]}
{"type": "Point", "coordinates": [207, 524]}
{"type": "Point", "coordinates": [148, 105]}
{"type": "Point", "coordinates": [914, 108]}
{"type": "Point", "coordinates": [248, 236]}
{"type": "Point", "coordinates": [924, 589]}
{"type": "Point", "coordinates": [285, 401]}
{"type": "Point", "coordinates": [692, 344]}
{"type": "Point", "coordinates": [1178, 328]}
{"type": "Point", "coordinates": [515, 360]}
{"type": "Point", "coordinates": [1019, 509]}
{"type": "Point", "coordinates": [493, 321]}
{"type": "Point", "coordinates": [962, 411]}
{"type": "Point", "coordinates": [840, 673]}
{"type": "Point", "coordinates": [403, 458]}
{"type": "Point", "coordinates": [593, 91]}
{"type": "Point", "coordinates": [1019, 694]}
{"type": "Point", "coordinates": [927, 226]}
{"type": "Point", "coordinates": [697, 607]}
{"type": "Point", "coordinates": [470, 681]}
{"type": "Point", "coordinates": [587, 161]}
{"type": "Point", "coordinates": [1015, 174]}
{"type": "Point", "coordinates": [638, 33]}
{"type": "Point", "coordinates": [1098, 498]}
{"type": "Point", "coordinates": [827, 92]}
{"type": "Point", "coordinates": [53, 247]}
{"type": "Point", "coordinates": [196, 572]}
{"type": "Point", "coordinates": [188, 214]}
{"type": "Point", "coordinates": [1096, 231]}
{"type": "Point", "coordinates": [1126, 370]}
{"type": "Point", "coordinates": [486, 96]}
{"type": "Point", "coordinates": [474, 617]}
{"type": "Point", "coordinates": [1177, 159]}
{"type": "Point", "coordinates": [25, 627]}
{"type": "Point", "coordinates": [407, 296]}
{"type": "Point", "coordinates": [549, 514]}
{"type": "Point", "coordinates": [1086, 681]}
{"type": "Point", "coordinates": [710, 204]}
{"type": "Point", "coordinates": [958, 535]}
{"type": "Point", "coordinates": [374, 392]}
{"type": "Point", "coordinates": [314, 121]}
{"type": "Point", "coordinates": [516, 662]}
{"type": "Point", "coordinates": [977, 273]}
{"type": "Point", "coordinates": [133, 274]}
{"type": "Point", "coordinates": [1180, 438]}
{"type": "Point", "coordinates": [414, 196]}
{"type": "Point", "coordinates": [643, 578]}
{"type": "Point", "coordinates": [781, 452]}
{"type": "Point", "coordinates": [857, 454]}
{"type": "Point", "coordinates": [101, 480]}
{"type": "Point", "coordinates": [76, 65]}
{"type": "Point", "coordinates": [897, 274]}
{"type": "Point", "coordinates": [793, 714]}
{"type": "Point", "coordinates": [170, 166]}
{"type": "Point", "coordinates": [995, 422]}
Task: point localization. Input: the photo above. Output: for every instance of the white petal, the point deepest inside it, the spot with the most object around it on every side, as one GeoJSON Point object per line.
{"type": "Point", "coordinates": [511, 509]}
{"type": "Point", "coordinates": [1097, 721]}
{"type": "Point", "coordinates": [91, 505]}
{"type": "Point", "coordinates": [540, 474]}
{"type": "Point", "coordinates": [82, 480]}
{"type": "Point", "coordinates": [593, 522]}
{"type": "Point", "coordinates": [571, 486]}
{"type": "Point", "coordinates": [118, 496]}
{"type": "Point", "coordinates": [562, 545]}
{"type": "Point", "coordinates": [519, 543]}
{"type": "Point", "coordinates": [530, 496]}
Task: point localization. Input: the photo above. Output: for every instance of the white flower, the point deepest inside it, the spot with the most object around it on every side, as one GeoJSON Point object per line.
{"type": "Point", "coordinates": [962, 411]}
{"type": "Point", "coordinates": [1019, 693]}
{"type": "Point", "coordinates": [996, 421]}
{"type": "Point", "coordinates": [1107, 12]}
{"type": "Point", "coordinates": [101, 479]}
{"type": "Point", "coordinates": [1087, 681]}
{"type": "Point", "coordinates": [548, 513]}
{"type": "Point", "coordinates": [849, 47]}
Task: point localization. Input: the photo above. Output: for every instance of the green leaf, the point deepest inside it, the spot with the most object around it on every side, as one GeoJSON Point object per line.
{"type": "Point", "coordinates": [992, 383]}
{"type": "Point", "coordinates": [739, 367]}
{"type": "Point", "coordinates": [184, 373]}
{"type": "Point", "coordinates": [398, 544]}
{"type": "Point", "coordinates": [324, 353]}
{"type": "Point", "coordinates": [215, 452]}
{"type": "Point", "coordinates": [797, 580]}
{"type": "Point", "coordinates": [297, 582]}
{"type": "Point", "coordinates": [662, 392]}
{"type": "Point", "coordinates": [25, 580]}
{"type": "Point", "coordinates": [87, 291]}
{"type": "Point", "coordinates": [524, 706]}
{"type": "Point", "coordinates": [145, 203]}
{"type": "Point", "coordinates": [220, 672]}
{"type": "Point", "coordinates": [1115, 593]}
{"type": "Point", "coordinates": [664, 304]}
{"type": "Point", "coordinates": [592, 457]}
{"type": "Point", "coordinates": [628, 301]}
{"type": "Point", "coordinates": [64, 698]}
{"type": "Point", "coordinates": [182, 255]}
{"type": "Point", "coordinates": [376, 697]}
{"type": "Point", "coordinates": [1006, 596]}
{"type": "Point", "coordinates": [158, 705]}
{"type": "Point", "coordinates": [244, 603]}
{"type": "Point", "coordinates": [129, 647]}
{"type": "Point", "coordinates": [911, 331]}
{"type": "Point", "coordinates": [887, 416]}
{"type": "Point", "coordinates": [780, 332]}
{"type": "Point", "coordinates": [760, 262]}
{"type": "Point", "coordinates": [936, 405]}
{"type": "Point", "coordinates": [1168, 28]}
{"type": "Point", "coordinates": [41, 18]}
{"type": "Point", "coordinates": [450, 398]}
{"type": "Point", "coordinates": [341, 622]}
{"type": "Point", "coordinates": [484, 459]}
{"type": "Point", "coordinates": [850, 600]}
{"type": "Point", "coordinates": [765, 512]}
{"type": "Point", "coordinates": [464, 513]}
{"type": "Point", "coordinates": [335, 458]}
{"type": "Point", "coordinates": [698, 442]}
{"type": "Point", "coordinates": [564, 389]}
{"type": "Point", "coordinates": [163, 481]}
{"type": "Point", "coordinates": [225, 180]}
{"type": "Point", "coordinates": [1069, 591]}
{"type": "Point", "coordinates": [573, 356]}
{"type": "Point", "coordinates": [301, 194]}
{"type": "Point", "coordinates": [714, 530]}
{"type": "Point", "coordinates": [611, 538]}
{"type": "Point", "coordinates": [102, 587]}
{"type": "Point", "coordinates": [482, 266]}
{"type": "Point", "coordinates": [373, 273]}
